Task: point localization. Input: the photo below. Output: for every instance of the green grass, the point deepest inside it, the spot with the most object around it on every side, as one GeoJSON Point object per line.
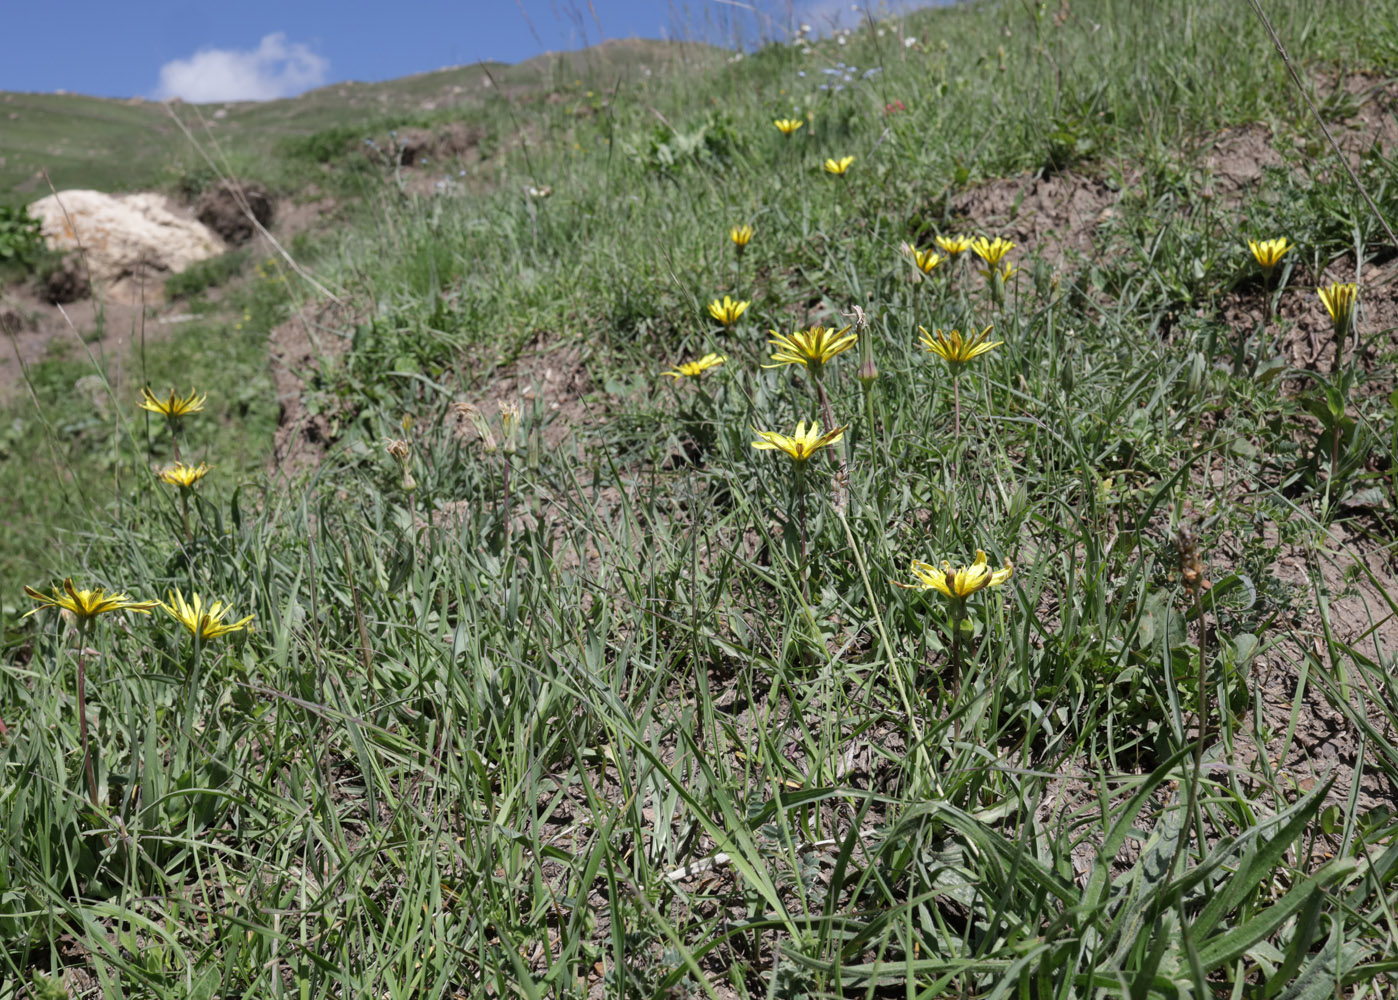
{"type": "Point", "coordinates": [501, 710]}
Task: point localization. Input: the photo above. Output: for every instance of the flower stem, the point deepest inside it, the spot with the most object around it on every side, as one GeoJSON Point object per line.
{"type": "Point", "coordinates": [184, 515]}
{"type": "Point", "coordinates": [1334, 451]}
{"type": "Point", "coordinates": [801, 525]}
{"type": "Point", "coordinates": [826, 413]}
{"type": "Point", "coordinates": [82, 712]}
{"type": "Point", "coordinates": [956, 613]}
{"type": "Point", "coordinates": [1203, 710]}
{"type": "Point", "coordinates": [874, 441]}
{"type": "Point", "coordinates": [509, 523]}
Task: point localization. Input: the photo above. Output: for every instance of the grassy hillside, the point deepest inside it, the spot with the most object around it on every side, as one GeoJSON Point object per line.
{"type": "Point", "coordinates": [93, 142]}
{"type": "Point", "coordinates": [556, 685]}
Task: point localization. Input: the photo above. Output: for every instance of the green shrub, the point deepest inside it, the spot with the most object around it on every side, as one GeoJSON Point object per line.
{"type": "Point", "coordinates": [21, 242]}
{"type": "Point", "coordinates": [205, 274]}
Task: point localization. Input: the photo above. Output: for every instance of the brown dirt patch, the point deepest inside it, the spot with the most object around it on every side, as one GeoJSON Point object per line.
{"type": "Point", "coordinates": [225, 209]}
{"type": "Point", "coordinates": [1327, 744]}
{"type": "Point", "coordinates": [297, 216]}
{"type": "Point", "coordinates": [296, 347]}
{"type": "Point", "coordinates": [550, 376]}
{"type": "Point", "coordinates": [1051, 215]}
{"type": "Point", "coordinates": [35, 331]}
{"type": "Point", "coordinates": [1305, 336]}
{"type": "Point", "coordinates": [1372, 123]}
{"type": "Point", "coordinates": [1235, 161]}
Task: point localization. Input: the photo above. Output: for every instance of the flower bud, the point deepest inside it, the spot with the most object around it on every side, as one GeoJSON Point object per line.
{"type": "Point", "coordinates": [868, 373]}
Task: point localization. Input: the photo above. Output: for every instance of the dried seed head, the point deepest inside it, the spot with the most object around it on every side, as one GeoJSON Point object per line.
{"type": "Point", "coordinates": [1191, 563]}
{"type": "Point", "coordinates": [839, 491]}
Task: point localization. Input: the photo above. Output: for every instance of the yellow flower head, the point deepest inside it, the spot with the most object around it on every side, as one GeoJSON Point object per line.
{"type": "Point", "coordinates": [727, 311]}
{"type": "Point", "coordinates": [956, 350]}
{"type": "Point", "coordinates": [838, 167]}
{"type": "Point", "coordinates": [741, 236]}
{"type": "Point", "coordinates": [810, 348]}
{"type": "Point", "coordinates": [1340, 299]}
{"type": "Point", "coordinates": [1269, 253]}
{"type": "Point", "coordinates": [801, 445]}
{"type": "Point", "coordinates": [183, 476]}
{"type": "Point", "coordinates": [693, 369]}
{"type": "Point", "coordinates": [954, 244]}
{"type": "Point", "coordinates": [991, 251]}
{"type": "Point", "coordinates": [172, 406]}
{"type": "Point", "coordinates": [85, 604]}
{"type": "Point", "coordinates": [788, 126]}
{"type": "Point", "coordinates": [927, 260]}
{"type": "Point", "coordinates": [1004, 272]}
{"type": "Point", "coordinates": [202, 622]}
{"type": "Point", "coordinates": [957, 584]}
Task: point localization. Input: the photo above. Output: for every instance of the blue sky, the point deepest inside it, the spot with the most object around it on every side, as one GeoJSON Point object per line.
{"type": "Point", "coordinates": [260, 49]}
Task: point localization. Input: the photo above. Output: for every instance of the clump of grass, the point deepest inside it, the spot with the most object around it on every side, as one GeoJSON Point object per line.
{"type": "Point", "coordinates": [205, 274]}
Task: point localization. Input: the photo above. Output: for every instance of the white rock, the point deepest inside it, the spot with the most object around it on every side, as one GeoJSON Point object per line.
{"type": "Point", "coordinates": [127, 238]}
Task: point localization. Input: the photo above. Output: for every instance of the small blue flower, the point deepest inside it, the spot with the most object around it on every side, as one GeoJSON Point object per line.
{"type": "Point", "coordinates": [801, 73]}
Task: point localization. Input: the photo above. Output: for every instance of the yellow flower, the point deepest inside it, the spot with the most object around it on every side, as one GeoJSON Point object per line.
{"type": "Point", "coordinates": [1269, 253]}
{"type": "Point", "coordinates": [991, 251]}
{"type": "Point", "coordinates": [85, 604]}
{"type": "Point", "coordinates": [741, 236]}
{"type": "Point", "coordinates": [172, 407]}
{"type": "Point", "coordinates": [958, 584]}
{"type": "Point", "coordinates": [811, 347]}
{"type": "Point", "coordinates": [954, 244]}
{"type": "Point", "coordinates": [801, 445]}
{"type": "Point", "coordinates": [838, 167]}
{"type": "Point", "coordinates": [956, 350]}
{"type": "Point", "coordinates": [693, 369]}
{"type": "Point", "coordinates": [202, 622]}
{"type": "Point", "coordinates": [1340, 299]}
{"type": "Point", "coordinates": [1004, 272]}
{"type": "Point", "coordinates": [927, 260]}
{"type": "Point", "coordinates": [788, 126]}
{"type": "Point", "coordinates": [183, 476]}
{"type": "Point", "coordinates": [727, 311]}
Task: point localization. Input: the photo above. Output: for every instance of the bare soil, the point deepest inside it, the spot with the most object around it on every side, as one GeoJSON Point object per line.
{"type": "Point", "coordinates": [1054, 216]}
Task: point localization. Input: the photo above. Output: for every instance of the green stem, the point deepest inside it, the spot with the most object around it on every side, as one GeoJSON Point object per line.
{"type": "Point", "coordinates": [956, 404]}
{"type": "Point", "coordinates": [1203, 709]}
{"type": "Point", "coordinates": [874, 442]}
{"type": "Point", "coordinates": [801, 525]}
{"type": "Point", "coordinates": [509, 523]}
{"type": "Point", "coordinates": [82, 712]}
{"type": "Point", "coordinates": [958, 610]}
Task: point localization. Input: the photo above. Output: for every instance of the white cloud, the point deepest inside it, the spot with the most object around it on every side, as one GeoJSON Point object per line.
{"type": "Point", "coordinates": [276, 68]}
